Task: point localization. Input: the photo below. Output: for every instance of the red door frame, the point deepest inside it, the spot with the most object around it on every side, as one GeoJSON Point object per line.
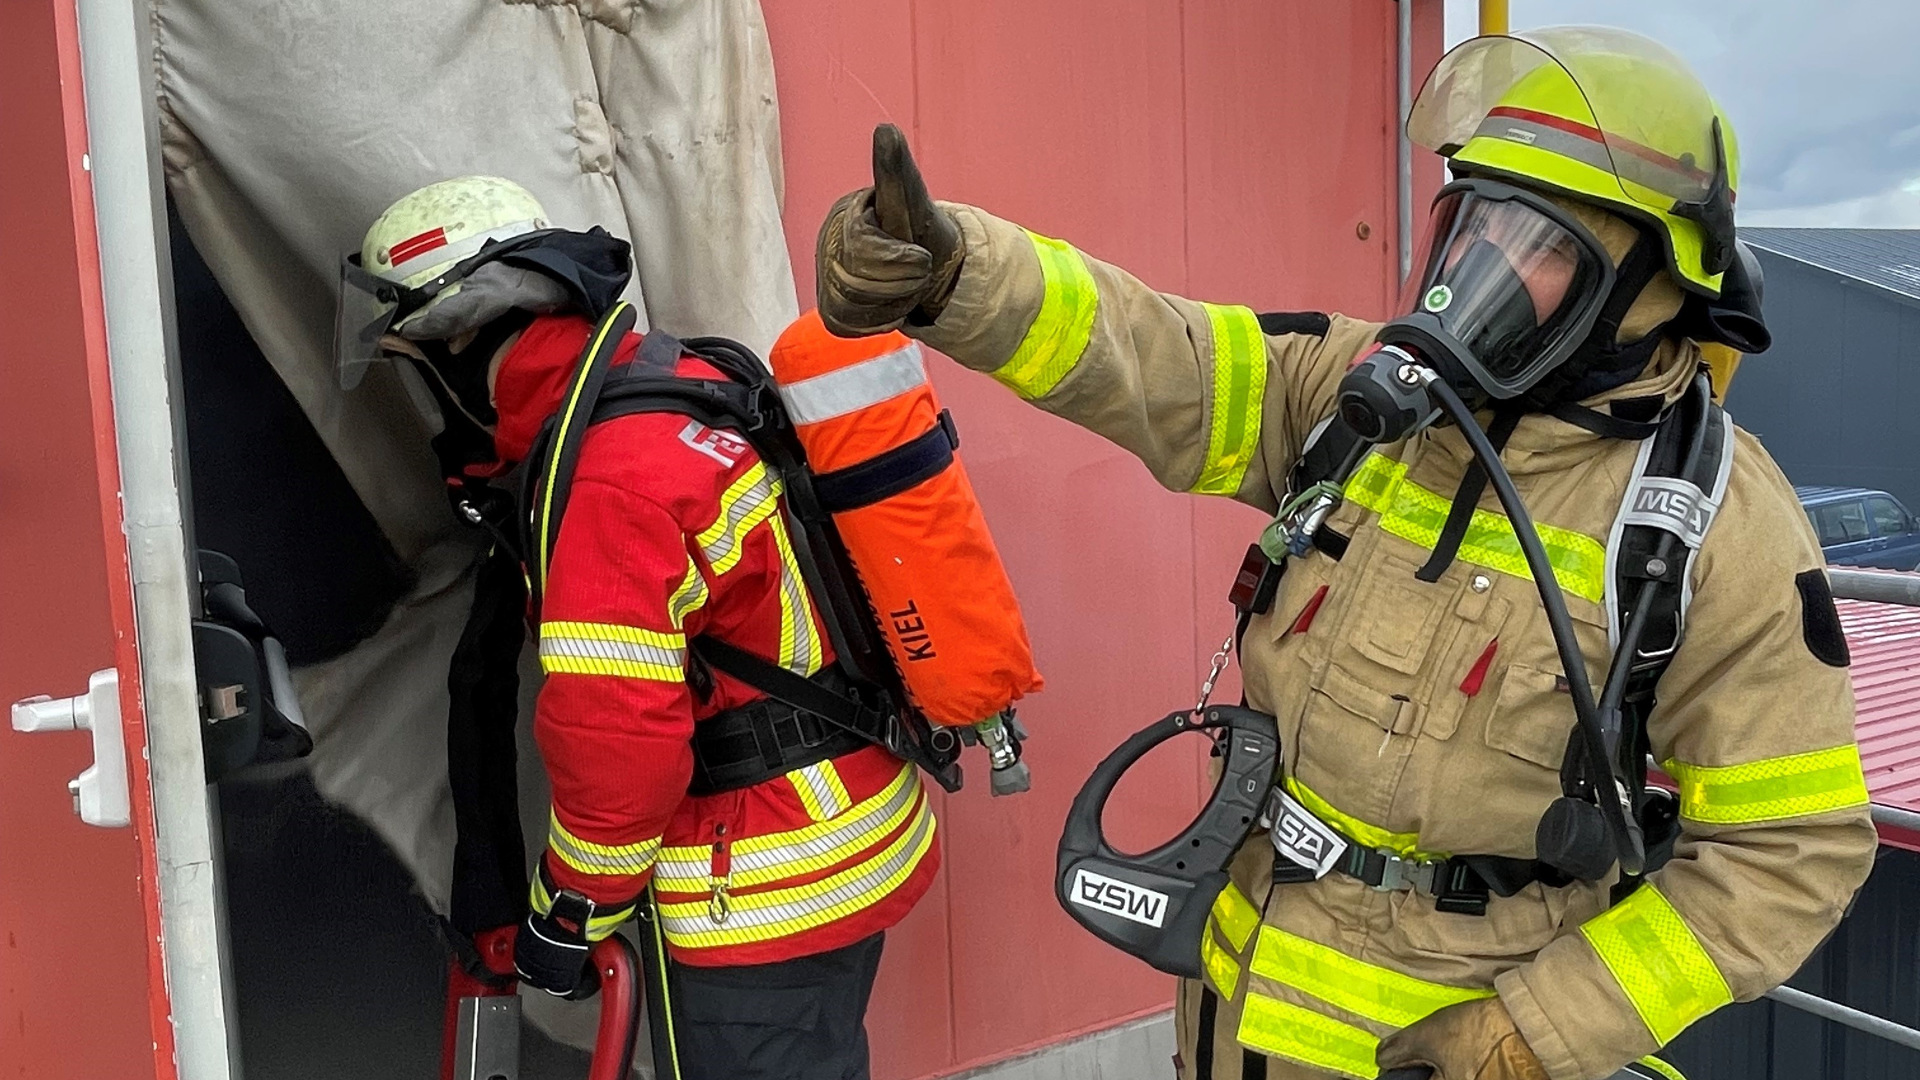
{"type": "Point", "coordinates": [79, 907]}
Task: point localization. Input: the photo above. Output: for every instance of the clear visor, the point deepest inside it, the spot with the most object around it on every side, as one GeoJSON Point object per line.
{"type": "Point", "coordinates": [364, 315]}
{"type": "Point", "coordinates": [1652, 125]}
{"type": "Point", "coordinates": [1509, 278]}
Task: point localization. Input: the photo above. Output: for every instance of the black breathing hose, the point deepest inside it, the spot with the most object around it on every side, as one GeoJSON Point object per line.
{"type": "Point", "coordinates": [1598, 762]}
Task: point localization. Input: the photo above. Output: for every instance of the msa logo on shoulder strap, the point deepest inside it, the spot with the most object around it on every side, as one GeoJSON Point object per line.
{"type": "Point", "coordinates": [1116, 897]}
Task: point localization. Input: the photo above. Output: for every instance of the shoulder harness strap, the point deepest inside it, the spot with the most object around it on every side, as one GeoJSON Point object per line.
{"type": "Point", "coordinates": [1664, 497]}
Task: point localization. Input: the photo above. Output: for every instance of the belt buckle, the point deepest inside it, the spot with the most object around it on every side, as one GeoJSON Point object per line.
{"type": "Point", "coordinates": [1403, 873]}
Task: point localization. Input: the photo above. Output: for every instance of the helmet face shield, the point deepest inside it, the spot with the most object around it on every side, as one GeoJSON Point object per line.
{"type": "Point", "coordinates": [366, 312]}
{"type": "Point", "coordinates": [371, 306]}
{"type": "Point", "coordinates": [1598, 113]}
{"type": "Point", "coordinates": [1511, 285]}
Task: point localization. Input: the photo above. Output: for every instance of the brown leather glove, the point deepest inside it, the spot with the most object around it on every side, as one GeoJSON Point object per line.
{"type": "Point", "coordinates": [886, 254]}
{"type": "Point", "coordinates": [1474, 1040]}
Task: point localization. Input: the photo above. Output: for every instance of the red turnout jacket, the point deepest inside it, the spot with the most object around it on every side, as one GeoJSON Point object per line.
{"type": "Point", "coordinates": [675, 530]}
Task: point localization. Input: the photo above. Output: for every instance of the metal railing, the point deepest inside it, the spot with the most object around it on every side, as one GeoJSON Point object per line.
{"type": "Point", "coordinates": [1879, 588]}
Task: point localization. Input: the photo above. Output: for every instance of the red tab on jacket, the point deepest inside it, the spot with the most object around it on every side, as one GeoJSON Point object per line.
{"type": "Point", "coordinates": [1477, 676]}
{"type": "Point", "coordinates": [1305, 618]}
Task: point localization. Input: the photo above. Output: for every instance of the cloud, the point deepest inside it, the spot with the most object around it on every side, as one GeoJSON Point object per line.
{"type": "Point", "coordinates": [1825, 96]}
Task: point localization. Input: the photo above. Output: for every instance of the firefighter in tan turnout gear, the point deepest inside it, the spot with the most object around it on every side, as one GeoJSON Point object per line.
{"type": "Point", "coordinates": [1425, 715]}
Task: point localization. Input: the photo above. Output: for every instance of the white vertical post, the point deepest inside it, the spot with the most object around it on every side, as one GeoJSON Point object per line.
{"type": "Point", "coordinates": [136, 280]}
{"type": "Point", "coordinates": [1403, 147]}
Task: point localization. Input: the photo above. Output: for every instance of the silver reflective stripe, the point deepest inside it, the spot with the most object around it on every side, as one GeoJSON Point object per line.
{"type": "Point", "coordinates": [1670, 181]}
{"type": "Point", "coordinates": [738, 517]}
{"type": "Point", "coordinates": [855, 386]}
{"type": "Point", "coordinates": [618, 653]}
{"type": "Point", "coordinates": [858, 889]}
{"type": "Point", "coordinates": [685, 869]}
{"type": "Point", "coordinates": [1672, 505]}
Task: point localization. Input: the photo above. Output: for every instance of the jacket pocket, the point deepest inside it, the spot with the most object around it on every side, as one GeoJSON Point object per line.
{"type": "Point", "coordinates": [1337, 689]}
{"type": "Point", "coordinates": [1533, 716]}
{"type": "Point", "coordinates": [1395, 616]}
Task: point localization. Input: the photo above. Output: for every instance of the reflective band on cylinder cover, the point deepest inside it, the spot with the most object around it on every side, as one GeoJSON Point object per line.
{"type": "Point", "coordinates": [1239, 388]}
{"type": "Point", "coordinates": [1771, 789]}
{"type": "Point", "coordinates": [856, 386]}
{"type": "Point", "coordinates": [1658, 962]}
{"type": "Point", "coordinates": [1414, 513]}
{"type": "Point", "coordinates": [1286, 1030]}
{"type": "Point", "coordinates": [1059, 334]}
{"type": "Point", "coordinates": [1323, 972]}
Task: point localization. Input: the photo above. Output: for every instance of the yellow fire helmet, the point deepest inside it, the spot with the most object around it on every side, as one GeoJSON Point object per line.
{"type": "Point", "coordinates": [1598, 114]}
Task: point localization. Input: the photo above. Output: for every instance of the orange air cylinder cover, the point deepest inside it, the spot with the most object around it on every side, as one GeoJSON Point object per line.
{"type": "Point", "coordinates": [924, 554]}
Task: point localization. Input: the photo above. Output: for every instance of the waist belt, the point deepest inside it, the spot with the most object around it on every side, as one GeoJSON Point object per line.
{"type": "Point", "coordinates": [741, 747]}
{"type": "Point", "coordinates": [1459, 884]}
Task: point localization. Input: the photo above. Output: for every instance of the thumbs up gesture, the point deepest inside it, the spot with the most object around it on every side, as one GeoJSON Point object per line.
{"type": "Point", "coordinates": [887, 255]}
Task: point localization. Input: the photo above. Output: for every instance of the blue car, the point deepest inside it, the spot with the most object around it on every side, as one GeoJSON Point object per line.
{"type": "Point", "coordinates": [1862, 527]}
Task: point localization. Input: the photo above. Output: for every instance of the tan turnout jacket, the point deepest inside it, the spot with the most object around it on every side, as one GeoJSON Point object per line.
{"type": "Point", "coordinates": [1388, 736]}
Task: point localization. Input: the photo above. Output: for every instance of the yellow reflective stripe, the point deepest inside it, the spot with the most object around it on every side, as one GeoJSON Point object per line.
{"type": "Point", "coordinates": [799, 643]}
{"type": "Point", "coordinates": [1661, 1067]}
{"type": "Point", "coordinates": [591, 858]}
{"type": "Point", "coordinates": [777, 913]}
{"type": "Point", "coordinates": [688, 597]}
{"type": "Point", "coordinates": [560, 436]}
{"type": "Point", "coordinates": [630, 652]}
{"type": "Point", "coordinates": [1239, 388]}
{"type": "Point", "coordinates": [759, 860]}
{"type": "Point", "coordinates": [748, 501]}
{"type": "Point", "coordinates": [599, 926]}
{"type": "Point", "coordinates": [1285, 1030]}
{"type": "Point", "coordinates": [1235, 915]}
{"type": "Point", "coordinates": [1405, 845]}
{"type": "Point", "coordinates": [821, 791]}
{"type": "Point", "coordinates": [1414, 513]}
{"type": "Point", "coordinates": [1771, 789]}
{"type": "Point", "coordinates": [1658, 962]}
{"type": "Point", "coordinates": [1059, 334]}
{"type": "Point", "coordinates": [1377, 993]}
{"type": "Point", "coordinates": [1223, 971]}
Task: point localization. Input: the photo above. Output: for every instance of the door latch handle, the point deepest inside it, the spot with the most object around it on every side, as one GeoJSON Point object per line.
{"type": "Point", "coordinates": [100, 793]}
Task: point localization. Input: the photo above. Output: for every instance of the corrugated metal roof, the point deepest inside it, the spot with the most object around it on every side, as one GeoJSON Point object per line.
{"type": "Point", "coordinates": [1885, 258]}
{"type": "Point", "coordinates": [1885, 641]}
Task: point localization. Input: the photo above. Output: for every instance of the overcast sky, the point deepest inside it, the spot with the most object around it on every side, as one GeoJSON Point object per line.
{"type": "Point", "coordinates": [1824, 93]}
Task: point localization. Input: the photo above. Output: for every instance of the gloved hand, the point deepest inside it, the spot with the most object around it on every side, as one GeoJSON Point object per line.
{"type": "Point", "coordinates": [1474, 1040]}
{"type": "Point", "coordinates": [886, 254]}
{"type": "Point", "coordinates": [550, 951]}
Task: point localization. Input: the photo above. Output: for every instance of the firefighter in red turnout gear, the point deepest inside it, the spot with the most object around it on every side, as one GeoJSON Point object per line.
{"type": "Point", "coordinates": [772, 896]}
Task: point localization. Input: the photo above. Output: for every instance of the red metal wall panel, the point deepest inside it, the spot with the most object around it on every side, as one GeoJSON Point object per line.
{"type": "Point", "coordinates": [1227, 149]}
{"type": "Point", "coordinates": [74, 941]}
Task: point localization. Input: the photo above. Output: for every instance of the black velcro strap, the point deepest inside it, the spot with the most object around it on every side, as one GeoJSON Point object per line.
{"type": "Point", "coordinates": [1820, 621]}
{"type": "Point", "coordinates": [1276, 323]}
{"type": "Point", "coordinates": [899, 469]}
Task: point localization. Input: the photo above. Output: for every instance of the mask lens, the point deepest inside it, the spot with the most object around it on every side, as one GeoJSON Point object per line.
{"type": "Point", "coordinates": [359, 322]}
{"type": "Point", "coordinates": [1507, 281]}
